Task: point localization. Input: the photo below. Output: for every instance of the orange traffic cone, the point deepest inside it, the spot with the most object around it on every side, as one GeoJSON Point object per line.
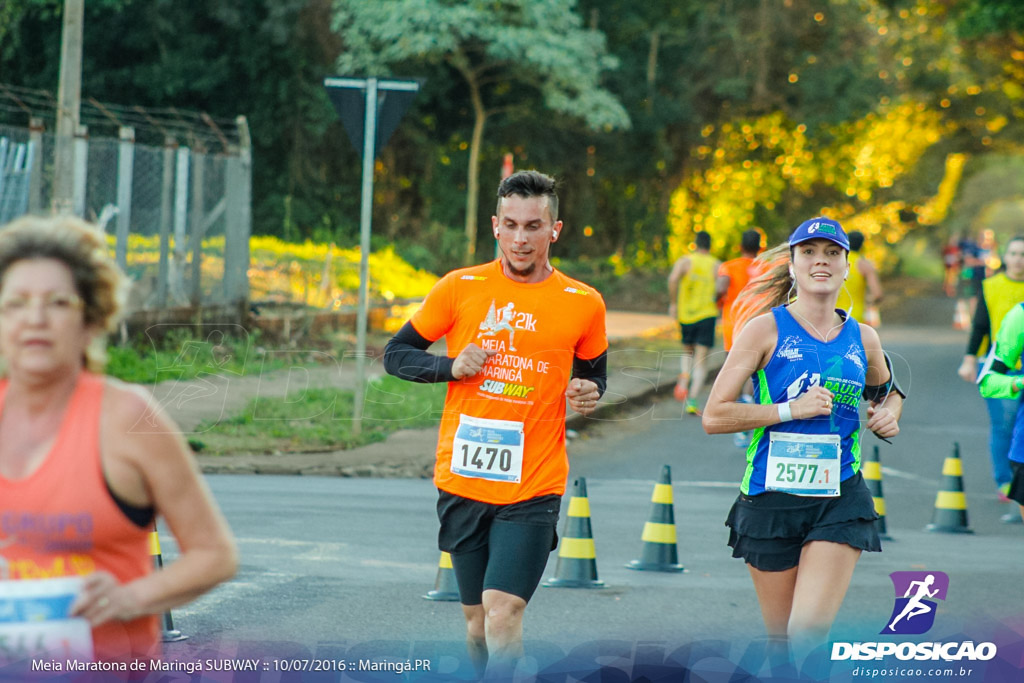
{"type": "Point", "coordinates": [950, 514]}
{"type": "Point", "coordinates": [577, 561]}
{"type": "Point", "coordinates": [168, 634]}
{"type": "Point", "coordinates": [659, 552]}
{"type": "Point", "coordinates": [873, 478]}
{"type": "Point", "coordinates": [446, 589]}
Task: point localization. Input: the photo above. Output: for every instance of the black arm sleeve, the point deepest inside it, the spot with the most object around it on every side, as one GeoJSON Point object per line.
{"type": "Point", "coordinates": [406, 357]}
{"type": "Point", "coordinates": [595, 369]}
{"type": "Point", "coordinates": [981, 327]}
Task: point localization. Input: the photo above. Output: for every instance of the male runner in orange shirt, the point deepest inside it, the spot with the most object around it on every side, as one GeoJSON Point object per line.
{"type": "Point", "coordinates": [733, 276]}
{"type": "Point", "coordinates": [522, 338]}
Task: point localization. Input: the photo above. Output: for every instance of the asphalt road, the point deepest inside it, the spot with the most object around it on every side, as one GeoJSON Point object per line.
{"type": "Point", "coordinates": [337, 567]}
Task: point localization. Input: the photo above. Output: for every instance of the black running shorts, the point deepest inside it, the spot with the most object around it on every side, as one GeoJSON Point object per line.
{"type": "Point", "coordinates": [770, 529]}
{"type": "Point", "coordinates": [1016, 492]}
{"type": "Point", "coordinates": [499, 547]}
{"type": "Point", "coordinates": [700, 333]}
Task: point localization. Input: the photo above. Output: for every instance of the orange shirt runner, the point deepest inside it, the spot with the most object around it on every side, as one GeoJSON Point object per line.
{"type": "Point", "coordinates": [61, 521]}
{"type": "Point", "coordinates": [738, 271]}
{"type": "Point", "coordinates": [502, 435]}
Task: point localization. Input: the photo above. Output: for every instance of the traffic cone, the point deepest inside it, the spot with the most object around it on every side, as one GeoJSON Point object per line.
{"type": "Point", "coordinates": [445, 587]}
{"type": "Point", "coordinates": [659, 553]}
{"type": "Point", "coordinates": [168, 634]}
{"type": "Point", "coordinates": [577, 562]}
{"type": "Point", "coordinates": [950, 514]}
{"type": "Point", "coordinates": [872, 472]}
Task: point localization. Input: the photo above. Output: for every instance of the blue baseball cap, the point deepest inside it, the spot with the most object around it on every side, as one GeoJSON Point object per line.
{"type": "Point", "coordinates": [820, 228]}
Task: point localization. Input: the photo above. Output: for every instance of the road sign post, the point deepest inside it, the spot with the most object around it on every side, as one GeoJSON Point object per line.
{"type": "Point", "coordinates": [361, 116]}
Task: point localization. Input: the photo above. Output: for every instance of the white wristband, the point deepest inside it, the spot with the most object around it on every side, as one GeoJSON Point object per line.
{"type": "Point", "coordinates": [785, 412]}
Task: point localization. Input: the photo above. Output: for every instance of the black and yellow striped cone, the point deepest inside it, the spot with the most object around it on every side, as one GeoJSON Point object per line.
{"type": "Point", "coordinates": [577, 561]}
{"type": "Point", "coordinates": [872, 473]}
{"type": "Point", "coordinates": [950, 514]}
{"type": "Point", "coordinates": [660, 553]}
{"type": "Point", "coordinates": [168, 633]}
{"type": "Point", "coordinates": [446, 589]}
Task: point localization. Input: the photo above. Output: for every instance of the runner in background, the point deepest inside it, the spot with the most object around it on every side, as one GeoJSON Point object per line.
{"type": "Point", "coordinates": [863, 291]}
{"type": "Point", "coordinates": [733, 276]}
{"type": "Point", "coordinates": [972, 273]}
{"type": "Point", "coordinates": [691, 293]}
{"type": "Point", "coordinates": [951, 262]}
{"type": "Point", "coordinates": [522, 339]}
{"type": "Point", "coordinates": [999, 380]}
{"type": "Point", "coordinates": [999, 294]}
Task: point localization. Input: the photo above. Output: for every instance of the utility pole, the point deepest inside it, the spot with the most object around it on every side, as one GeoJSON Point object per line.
{"type": "Point", "coordinates": [69, 100]}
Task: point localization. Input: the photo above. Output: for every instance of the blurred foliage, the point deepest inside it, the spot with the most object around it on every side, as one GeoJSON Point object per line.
{"type": "Point", "coordinates": [511, 55]}
{"type": "Point", "coordinates": [757, 113]}
{"type": "Point", "coordinates": [315, 274]}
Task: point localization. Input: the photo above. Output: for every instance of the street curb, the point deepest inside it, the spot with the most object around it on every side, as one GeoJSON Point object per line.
{"type": "Point", "coordinates": [348, 463]}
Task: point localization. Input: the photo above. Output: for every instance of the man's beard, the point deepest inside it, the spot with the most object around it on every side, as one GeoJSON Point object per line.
{"type": "Point", "coordinates": [525, 272]}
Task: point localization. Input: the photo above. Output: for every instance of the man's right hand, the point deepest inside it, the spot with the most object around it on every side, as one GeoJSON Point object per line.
{"type": "Point", "coordinates": [968, 369]}
{"type": "Point", "coordinates": [470, 361]}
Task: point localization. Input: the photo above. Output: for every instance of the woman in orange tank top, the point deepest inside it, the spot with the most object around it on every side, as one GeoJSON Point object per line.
{"type": "Point", "coordinates": [80, 483]}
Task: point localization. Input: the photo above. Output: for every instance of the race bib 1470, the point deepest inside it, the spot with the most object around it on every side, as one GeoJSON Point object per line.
{"type": "Point", "coordinates": [488, 449]}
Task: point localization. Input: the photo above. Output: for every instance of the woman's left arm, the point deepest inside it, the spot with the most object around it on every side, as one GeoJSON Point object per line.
{"type": "Point", "coordinates": [146, 457]}
{"type": "Point", "coordinates": [885, 401]}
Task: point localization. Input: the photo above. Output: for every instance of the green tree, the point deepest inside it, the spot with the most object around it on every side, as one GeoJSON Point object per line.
{"type": "Point", "coordinates": [507, 53]}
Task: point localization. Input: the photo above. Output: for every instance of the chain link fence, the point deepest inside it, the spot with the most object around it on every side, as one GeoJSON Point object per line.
{"type": "Point", "coordinates": [176, 213]}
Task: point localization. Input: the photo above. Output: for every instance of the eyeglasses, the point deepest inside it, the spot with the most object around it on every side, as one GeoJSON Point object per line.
{"type": "Point", "coordinates": [53, 303]}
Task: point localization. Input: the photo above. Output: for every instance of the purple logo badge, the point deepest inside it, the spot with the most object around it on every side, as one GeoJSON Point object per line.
{"type": "Point", "coordinates": [916, 592]}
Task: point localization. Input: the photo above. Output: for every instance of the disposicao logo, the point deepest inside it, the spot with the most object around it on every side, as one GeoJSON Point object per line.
{"type": "Point", "coordinates": [916, 593]}
{"type": "Point", "coordinates": [914, 613]}
{"type": "Point", "coordinates": [826, 228]}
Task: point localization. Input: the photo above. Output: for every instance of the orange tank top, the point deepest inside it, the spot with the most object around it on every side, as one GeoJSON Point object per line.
{"type": "Point", "coordinates": [62, 521]}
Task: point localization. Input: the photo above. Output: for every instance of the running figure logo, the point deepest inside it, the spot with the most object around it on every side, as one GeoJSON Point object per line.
{"type": "Point", "coordinates": [498, 320]}
{"type": "Point", "coordinates": [914, 612]}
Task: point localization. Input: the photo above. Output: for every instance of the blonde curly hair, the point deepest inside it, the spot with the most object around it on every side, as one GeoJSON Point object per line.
{"type": "Point", "coordinates": [83, 249]}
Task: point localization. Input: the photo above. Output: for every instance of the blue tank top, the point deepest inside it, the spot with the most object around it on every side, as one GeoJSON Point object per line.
{"type": "Point", "coordinates": [799, 362]}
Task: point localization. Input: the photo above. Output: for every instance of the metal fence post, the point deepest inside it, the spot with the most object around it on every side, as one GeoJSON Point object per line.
{"type": "Point", "coordinates": [197, 225]}
{"type": "Point", "coordinates": [166, 216]}
{"type": "Point", "coordinates": [81, 169]}
{"type": "Point", "coordinates": [180, 224]}
{"type": "Point", "coordinates": [237, 228]}
{"type": "Point", "coordinates": [35, 179]}
{"type": "Point", "coordinates": [125, 170]}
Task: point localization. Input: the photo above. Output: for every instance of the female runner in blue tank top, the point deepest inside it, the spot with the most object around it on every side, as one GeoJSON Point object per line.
{"type": "Point", "coordinates": [804, 514]}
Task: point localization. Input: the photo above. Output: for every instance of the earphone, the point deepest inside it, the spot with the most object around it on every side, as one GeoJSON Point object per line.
{"type": "Point", "coordinates": [554, 233]}
{"type": "Point", "coordinates": [792, 275]}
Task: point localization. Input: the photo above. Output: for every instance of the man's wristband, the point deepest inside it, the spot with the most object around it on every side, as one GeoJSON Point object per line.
{"type": "Point", "coordinates": [785, 411]}
{"type": "Point", "coordinates": [1017, 385]}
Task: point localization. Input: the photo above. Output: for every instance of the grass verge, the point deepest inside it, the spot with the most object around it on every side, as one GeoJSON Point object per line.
{"type": "Point", "coordinates": [321, 419]}
{"type": "Point", "coordinates": [182, 356]}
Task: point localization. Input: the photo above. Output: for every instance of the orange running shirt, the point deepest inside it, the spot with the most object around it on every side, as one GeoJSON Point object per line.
{"type": "Point", "coordinates": [738, 271]}
{"type": "Point", "coordinates": [536, 330]}
{"type": "Point", "coordinates": [61, 521]}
